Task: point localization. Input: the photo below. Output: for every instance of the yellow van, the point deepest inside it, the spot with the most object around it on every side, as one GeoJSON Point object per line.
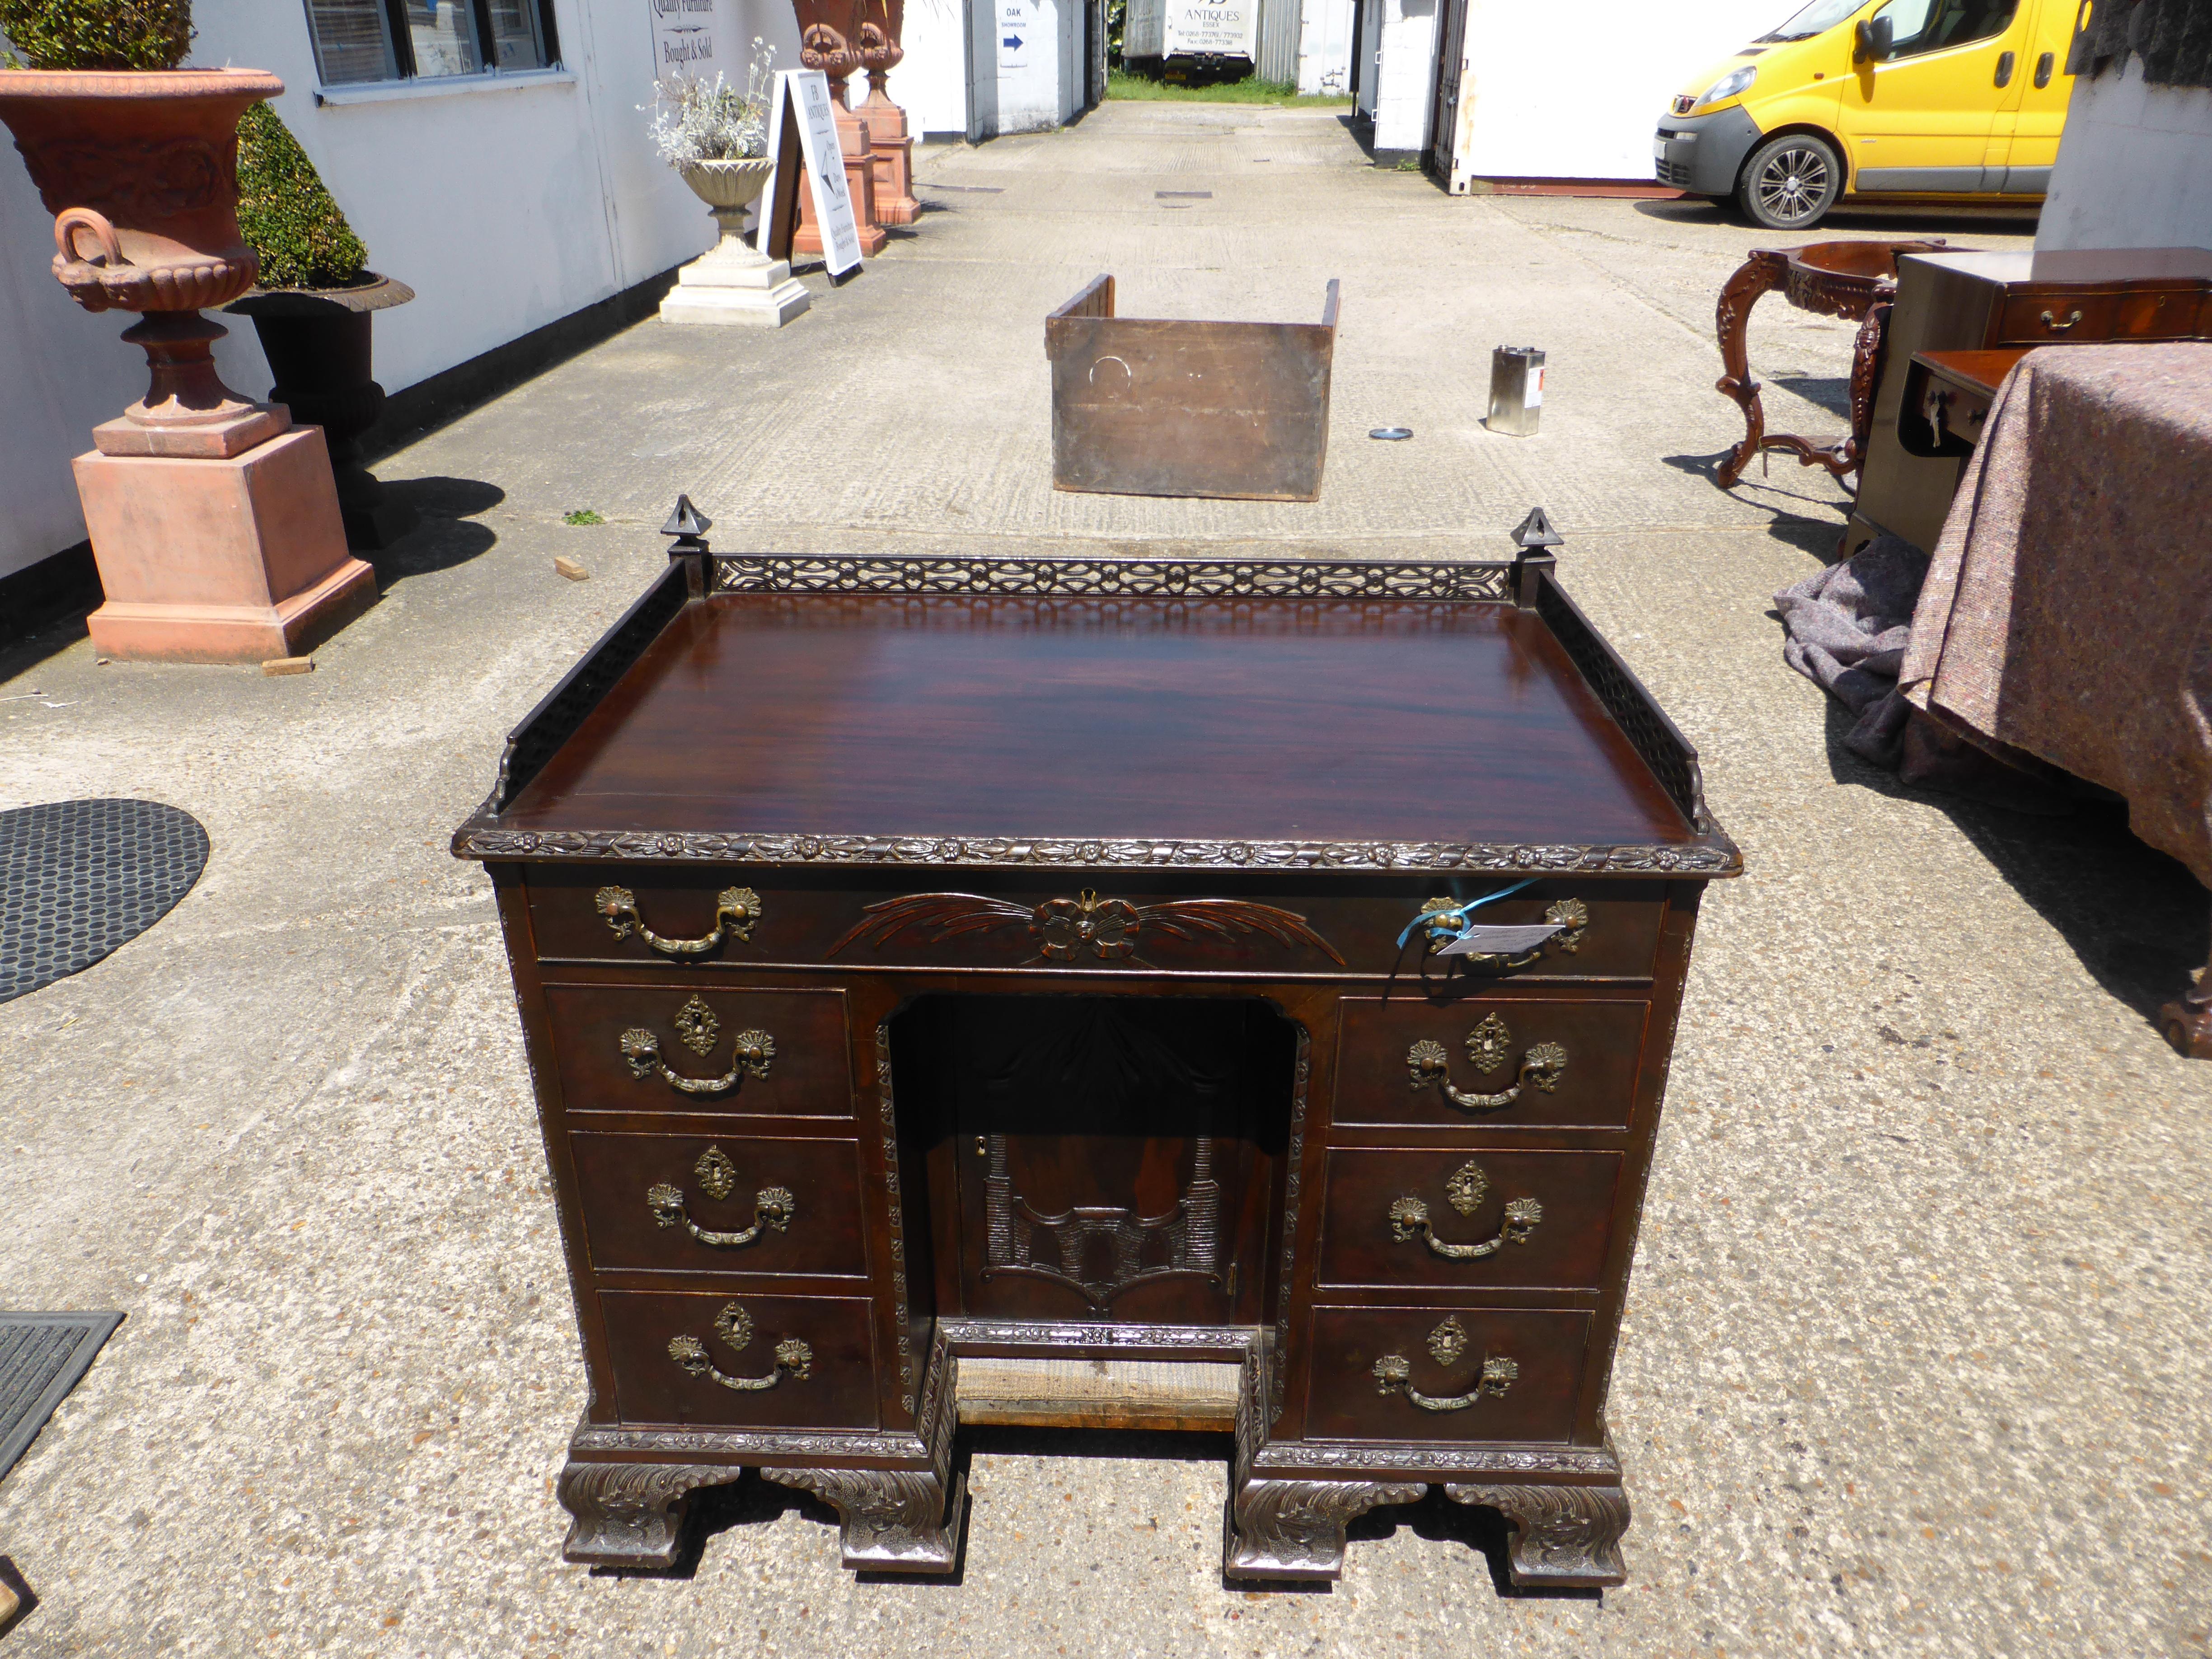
{"type": "Point", "coordinates": [1879, 100]}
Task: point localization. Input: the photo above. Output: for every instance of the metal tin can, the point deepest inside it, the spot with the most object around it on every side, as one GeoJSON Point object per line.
{"type": "Point", "coordinates": [1516, 390]}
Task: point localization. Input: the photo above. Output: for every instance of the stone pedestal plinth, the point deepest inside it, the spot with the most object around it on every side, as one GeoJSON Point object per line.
{"type": "Point", "coordinates": [890, 159]}
{"type": "Point", "coordinates": [220, 559]}
{"type": "Point", "coordinates": [730, 283]}
{"type": "Point", "coordinates": [853, 139]}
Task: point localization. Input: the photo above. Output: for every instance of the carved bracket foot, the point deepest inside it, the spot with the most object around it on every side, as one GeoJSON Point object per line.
{"type": "Point", "coordinates": [1564, 1536]}
{"type": "Point", "coordinates": [1294, 1529]}
{"type": "Point", "coordinates": [896, 1519]}
{"type": "Point", "coordinates": [630, 1515]}
{"type": "Point", "coordinates": [2187, 1025]}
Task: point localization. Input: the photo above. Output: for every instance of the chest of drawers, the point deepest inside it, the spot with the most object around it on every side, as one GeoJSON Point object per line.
{"type": "Point", "coordinates": [1064, 960]}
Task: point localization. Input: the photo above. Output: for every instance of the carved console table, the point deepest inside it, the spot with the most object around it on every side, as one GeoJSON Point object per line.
{"type": "Point", "coordinates": [1270, 968]}
{"type": "Point", "coordinates": [1854, 280]}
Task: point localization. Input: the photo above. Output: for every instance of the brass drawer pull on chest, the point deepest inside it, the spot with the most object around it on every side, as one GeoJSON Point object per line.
{"type": "Point", "coordinates": [1393, 1372]}
{"type": "Point", "coordinates": [773, 1206]}
{"type": "Point", "coordinates": [1487, 1046]}
{"type": "Point", "coordinates": [1409, 1217]}
{"type": "Point", "coordinates": [735, 911]}
{"type": "Point", "coordinates": [1444, 923]}
{"type": "Point", "coordinates": [695, 1023]}
{"type": "Point", "coordinates": [793, 1359]}
{"type": "Point", "coordinates": [2058, 327]}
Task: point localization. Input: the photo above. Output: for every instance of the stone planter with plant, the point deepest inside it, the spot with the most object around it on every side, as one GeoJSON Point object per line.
{"type": "Point", "coordinates": [716, 138]}
{"type": "Point", "coordinates": [312, 307]}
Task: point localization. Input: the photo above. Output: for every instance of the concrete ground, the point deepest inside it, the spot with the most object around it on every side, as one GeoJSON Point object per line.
{"type": "Point", "coordinates": [1914, 1361]}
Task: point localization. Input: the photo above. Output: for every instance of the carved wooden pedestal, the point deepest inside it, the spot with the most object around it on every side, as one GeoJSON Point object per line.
{"type": "Point", "coordinates": [1854, 280]}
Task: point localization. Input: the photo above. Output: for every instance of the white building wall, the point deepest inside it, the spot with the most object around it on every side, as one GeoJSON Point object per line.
{"type": "Point", "coordinates": [1031, 48]}
{"type": "Point", "coordinates": [2134, 167]}
{"type": "Point", "coordinates": [505, 202]}
{"type": "Point", "coordinates": [931, 83]}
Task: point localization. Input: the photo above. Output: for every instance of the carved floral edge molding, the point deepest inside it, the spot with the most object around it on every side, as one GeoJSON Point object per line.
{"type": "Point", "coordinates": [1714, 856]}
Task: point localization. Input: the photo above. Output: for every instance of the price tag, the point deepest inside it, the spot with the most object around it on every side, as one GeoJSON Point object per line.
{"type": "Point", "coordinates": [1503, 941]}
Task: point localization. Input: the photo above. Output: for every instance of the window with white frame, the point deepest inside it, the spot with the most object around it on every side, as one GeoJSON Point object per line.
{"type": "Point", "coordinates": [358, 40]}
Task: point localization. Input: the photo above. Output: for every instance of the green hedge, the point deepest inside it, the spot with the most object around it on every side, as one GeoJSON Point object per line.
{"type": "Point", "coordinates": [98, 34]}
{"type": "Point", "coordinates": [288, 218]}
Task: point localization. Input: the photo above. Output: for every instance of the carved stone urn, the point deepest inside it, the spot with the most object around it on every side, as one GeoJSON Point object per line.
{"type": "Point", "coordinates": [140, 171]}
{"type": "Point", "coordinates": [890, 146]}
{"type": "Point", "coordinates": [829, 41]}
{"type": "Point", "coordinates": [732, 282]}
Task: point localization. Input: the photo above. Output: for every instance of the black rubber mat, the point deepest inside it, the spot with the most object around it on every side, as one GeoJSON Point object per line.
{"type": "Point", "coordinates": [78, 878]}
{"type": "Point", "coordinates": [42, 1356]}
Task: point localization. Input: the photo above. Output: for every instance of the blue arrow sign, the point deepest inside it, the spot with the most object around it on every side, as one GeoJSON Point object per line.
{"type": "Point", "coordinates": [1013, 40]}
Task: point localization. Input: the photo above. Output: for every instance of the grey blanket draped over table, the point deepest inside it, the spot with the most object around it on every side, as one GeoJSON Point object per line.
{"type": "Point", "coordinates": [2067, 611]}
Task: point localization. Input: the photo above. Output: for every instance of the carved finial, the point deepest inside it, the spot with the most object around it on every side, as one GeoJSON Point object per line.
{"type": "Point", "coordinates": [1534, 538]}
{"type": "Point", "coordinates": [689, 525]}
{"type": "Point", "coordinates": [1535, 531]}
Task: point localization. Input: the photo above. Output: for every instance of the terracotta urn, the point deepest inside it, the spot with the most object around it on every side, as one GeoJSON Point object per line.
{"type": "Point", "coordinates": [890, 147]}
{"type": "Point", "coordinates": [140, 171]}
{"type": "Point", "coordinates": [829, 39]}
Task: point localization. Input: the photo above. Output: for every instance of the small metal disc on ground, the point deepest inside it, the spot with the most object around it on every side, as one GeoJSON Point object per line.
{"type": "Point", "coordinates": [1392, 434]}
{"type": "Point", "coordinates": [81, 878]}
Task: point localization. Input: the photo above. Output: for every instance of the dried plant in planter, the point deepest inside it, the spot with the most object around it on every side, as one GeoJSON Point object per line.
{"type": "Point", "coordinates": [695, 121]}
{"type": "Point", "coordinates": [96, 34]}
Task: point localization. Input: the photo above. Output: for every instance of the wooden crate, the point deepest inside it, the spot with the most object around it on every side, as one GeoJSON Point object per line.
{"type": "Point", "coordinates": [1146, 406]}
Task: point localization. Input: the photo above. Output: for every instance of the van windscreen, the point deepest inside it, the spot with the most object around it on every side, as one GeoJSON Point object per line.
{"type": "Point", "coordinates": [1815, 19]}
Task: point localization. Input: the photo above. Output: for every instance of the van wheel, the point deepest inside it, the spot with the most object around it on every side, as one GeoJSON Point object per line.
{"type": "Point", "coordinates": [1790, 182]}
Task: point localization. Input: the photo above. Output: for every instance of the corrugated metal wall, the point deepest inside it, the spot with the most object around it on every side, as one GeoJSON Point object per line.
{"type": "Point", "coordinates": [1279, 23]}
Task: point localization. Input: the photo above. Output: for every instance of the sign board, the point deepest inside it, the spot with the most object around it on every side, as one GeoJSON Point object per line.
{"type": "Point", "coordinates": [803, 125]}
{"type": "Point", "coordinates": [1212, 29]}
{"type": "Point", "coordinates": [683, 36]}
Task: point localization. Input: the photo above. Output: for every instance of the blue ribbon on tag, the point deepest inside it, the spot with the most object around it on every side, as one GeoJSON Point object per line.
{"type": "Point", "coordinates": [1458, 912]}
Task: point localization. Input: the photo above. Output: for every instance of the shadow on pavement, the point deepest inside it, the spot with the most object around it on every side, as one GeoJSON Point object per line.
{"type": "Point", "coordinates": [2136, 919]}
{"type": "Point", "coordinates": [446, 535]}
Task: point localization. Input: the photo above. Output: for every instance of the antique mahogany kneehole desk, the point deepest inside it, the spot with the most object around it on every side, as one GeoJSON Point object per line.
{"type": "Point", "coordinates": [1267, 968]}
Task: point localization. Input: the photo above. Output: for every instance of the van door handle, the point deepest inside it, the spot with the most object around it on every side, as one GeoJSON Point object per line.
{"type": "Point", "coordinates": [2044, 65]}
{"type": "Point", "coordinates": [2004, 68]}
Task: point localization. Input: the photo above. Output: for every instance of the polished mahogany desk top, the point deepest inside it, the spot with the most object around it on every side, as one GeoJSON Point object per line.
{"type": "Point", "coordinates": [1257, 720]}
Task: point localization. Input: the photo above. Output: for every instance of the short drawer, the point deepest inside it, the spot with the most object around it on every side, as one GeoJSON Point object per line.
{"type": "Point", "coordinates": [1445, 1374]}
{"type": "Point", "coordinates": [795, 1361]}
{"type": "Point", "coordinates": [732, 1204]}
{"type": "Point", "coordinates": [2049, 319]}
{"type": "Point", "coordinates": [1418, 1218]}
{"type": "Point", "coordinates": [1523, 1062]}
{"type": "Point", "coordinates": [677, 913]}
{"type": "Point", "coordinates": [685, 1047]}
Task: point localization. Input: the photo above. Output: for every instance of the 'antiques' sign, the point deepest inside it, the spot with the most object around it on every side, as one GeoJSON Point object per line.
{"type": "Point", "coordinates": [802, 127]}
{"type": "Point", "coordinates": [683, 38]}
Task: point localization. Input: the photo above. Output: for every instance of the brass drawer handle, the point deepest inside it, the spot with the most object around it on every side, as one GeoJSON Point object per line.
{"type": "Point", "coordinates": [2058, 327]}
{"type": "Point", "coordinates": [1487, 1046]}
{"type": "Point", "coordinates": [1409, 1217]}
{"type": "Point", "coordinates": [773, 1206]}
{"type": "Point", "coordinates": [1393, 1372]}
{"type": "Point", "coordinates": [793, 1359]}
{"type": "Point", "coordinates": [735, 911]}
{"type": "Point", "coordinates": [696, 1024]}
